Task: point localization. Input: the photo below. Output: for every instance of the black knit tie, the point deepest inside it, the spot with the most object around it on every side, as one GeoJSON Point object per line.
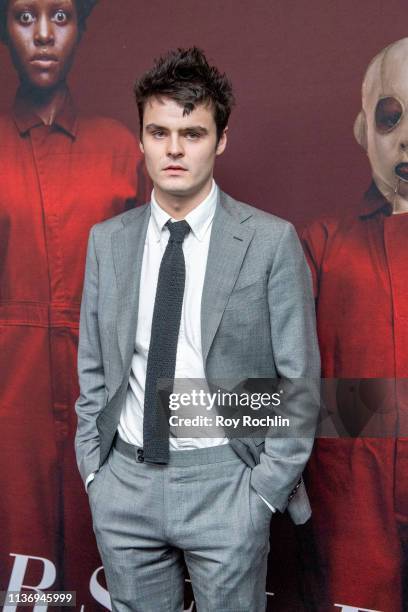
{"type": "Point", "coordinates": [161, 362]}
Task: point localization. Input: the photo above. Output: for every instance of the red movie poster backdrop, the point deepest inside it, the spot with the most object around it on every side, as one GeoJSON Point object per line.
{"type": "Point", "coordinates": [297, 69]}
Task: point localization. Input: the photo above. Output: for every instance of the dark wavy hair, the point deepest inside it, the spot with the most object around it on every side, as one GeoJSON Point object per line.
{"type": "Point", "coordinates": [185, 76]}
{"type": "Point", "coordinates": [84, 9]}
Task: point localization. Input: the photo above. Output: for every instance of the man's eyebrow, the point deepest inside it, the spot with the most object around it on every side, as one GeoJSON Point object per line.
{"type": "Point", "coordinates": [195, 128]}
{"type": "Point", "coordinates": [154, 126]}
{"type": "Point", "coordinates": [191, 128]}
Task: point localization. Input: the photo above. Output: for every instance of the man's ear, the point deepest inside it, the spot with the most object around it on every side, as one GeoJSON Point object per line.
{"type": "Point", "coordinates": [360, 129]}
{"type": "Point", "coordinates": [222, 143]}
{"type": "Point", "coordinates": [141, 147]}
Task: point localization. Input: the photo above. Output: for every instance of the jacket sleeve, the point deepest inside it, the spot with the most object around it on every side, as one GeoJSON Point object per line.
{"type": "Point", "coordinates": [90, 370]}
{"type": "Point", "coordinates": [297, 360]}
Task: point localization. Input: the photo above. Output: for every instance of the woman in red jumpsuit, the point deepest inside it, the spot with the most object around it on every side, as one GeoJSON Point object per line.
{"type": "Point", "coordinates": [60, 173]}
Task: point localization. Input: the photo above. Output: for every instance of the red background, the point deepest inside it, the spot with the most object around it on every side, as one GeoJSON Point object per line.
{"type": "Point", "coordinates": [296, 66]}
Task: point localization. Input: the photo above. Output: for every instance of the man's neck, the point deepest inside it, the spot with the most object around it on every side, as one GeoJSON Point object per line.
{"type": "Point", "coordinates": [178, 206]}
{"type": "Point", "coordinates": [47, 104]}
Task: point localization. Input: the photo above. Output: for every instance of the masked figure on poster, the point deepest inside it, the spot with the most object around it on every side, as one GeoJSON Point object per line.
{"type": "Point", "coordinates": [359, 482]}
{"type": "Point", "coordinates": [60, 173]}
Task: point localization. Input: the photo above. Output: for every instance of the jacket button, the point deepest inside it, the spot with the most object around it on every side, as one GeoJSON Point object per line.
{"type": "Point", "coordinates": [140, 458]}
{"type": "Point", "coordinates": [140, 451]}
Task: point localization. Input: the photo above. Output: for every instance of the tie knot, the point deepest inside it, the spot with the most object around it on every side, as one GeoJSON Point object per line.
{"type": "Point", "coordinates": [178, 230]}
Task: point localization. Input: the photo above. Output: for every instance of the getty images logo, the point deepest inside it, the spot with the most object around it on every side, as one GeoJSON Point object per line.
{"type": "Point", "coordinates": [98, 592]}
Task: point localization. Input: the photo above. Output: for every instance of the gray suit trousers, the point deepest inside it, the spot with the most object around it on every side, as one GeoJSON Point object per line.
{"type": "Point", "coordinates": [202, 506]}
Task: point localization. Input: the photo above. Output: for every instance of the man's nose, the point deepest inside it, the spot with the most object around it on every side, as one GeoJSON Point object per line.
{"type": "Point", "coordinates": [175, 148]}
{"type": "Point", "coordinates": [44, 31]}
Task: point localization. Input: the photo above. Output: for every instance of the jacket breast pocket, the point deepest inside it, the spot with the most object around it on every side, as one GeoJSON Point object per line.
{"type": "Point", "coordinates": [246, 294]}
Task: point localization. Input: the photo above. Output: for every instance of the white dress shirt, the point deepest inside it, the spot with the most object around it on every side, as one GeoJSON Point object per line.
{"type": "Point", "coordinates": [189, 360]}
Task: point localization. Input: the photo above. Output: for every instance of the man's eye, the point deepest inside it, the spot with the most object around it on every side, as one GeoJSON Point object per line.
{"type": "Point", "coordinates": [60, 17]}
{"type": "Point", "coordinates": [158, 134]}
{"type": "Point", "coordinates": [192, 135]}
{"type": "Point", "coordinates": [26, 18]}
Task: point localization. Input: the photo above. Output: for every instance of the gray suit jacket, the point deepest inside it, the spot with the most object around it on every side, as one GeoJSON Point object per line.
{"type": "Point", "coordinates": [257, 321]}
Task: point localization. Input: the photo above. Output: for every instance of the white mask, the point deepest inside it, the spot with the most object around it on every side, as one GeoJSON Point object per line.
{"type": "Point", "coordinates": [382, 125]}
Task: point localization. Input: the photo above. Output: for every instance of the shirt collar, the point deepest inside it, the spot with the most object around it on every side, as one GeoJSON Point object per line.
{"type": "Point", "coordinates": [199, 219]}
{"type": "Point", "coordinates": [26, 118]}
{"type": "Point", "coordinates": [374, 203]}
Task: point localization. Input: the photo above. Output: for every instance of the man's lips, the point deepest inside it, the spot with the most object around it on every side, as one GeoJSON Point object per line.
{"type": "Point", "coordinates": [174, 170]}
{"type": "Point", "coordinates": [401, 170]}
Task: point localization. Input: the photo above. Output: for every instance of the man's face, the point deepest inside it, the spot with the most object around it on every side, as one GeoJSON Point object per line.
{"type": "Point", "coordinates": [179, 150]}
{"type": "Point", "coordinates": [42, 38]}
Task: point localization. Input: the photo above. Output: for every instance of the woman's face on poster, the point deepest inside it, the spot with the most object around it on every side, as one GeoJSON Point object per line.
{"type": "Point", "coordinates": [42, 37]}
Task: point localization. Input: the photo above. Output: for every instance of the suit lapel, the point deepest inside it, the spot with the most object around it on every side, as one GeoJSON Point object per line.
{"type": "Point", "coordinates": [228, 245]}
{"type": "Point", "coordinates": [127, 248]}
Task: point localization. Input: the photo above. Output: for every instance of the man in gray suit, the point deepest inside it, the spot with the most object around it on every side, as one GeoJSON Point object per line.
{"type": "Point", "coordinates": [193, 285]}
